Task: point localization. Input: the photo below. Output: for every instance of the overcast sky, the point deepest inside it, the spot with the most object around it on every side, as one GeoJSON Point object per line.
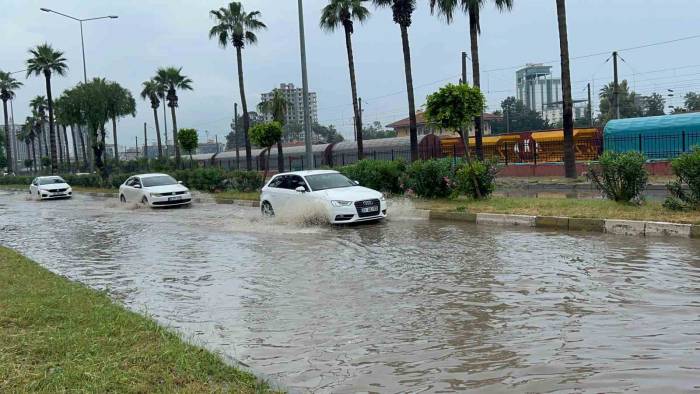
{"type": "Point", "coordinates": [154, 33]}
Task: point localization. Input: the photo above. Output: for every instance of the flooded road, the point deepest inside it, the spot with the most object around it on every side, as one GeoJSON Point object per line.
{"type": "Point", "coordinates": [402, 306]}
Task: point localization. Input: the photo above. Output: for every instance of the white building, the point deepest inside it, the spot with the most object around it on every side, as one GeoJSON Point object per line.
{"type": "Point", "coordinates": [295, 104]}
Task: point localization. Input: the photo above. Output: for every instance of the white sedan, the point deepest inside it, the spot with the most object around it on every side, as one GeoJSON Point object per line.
{"type": "Point", "coordinates": [155, 190]}
{"type": "Point", "coordinates": [50, 187]}
{"type": "Point", "coordinates": [341, 198]}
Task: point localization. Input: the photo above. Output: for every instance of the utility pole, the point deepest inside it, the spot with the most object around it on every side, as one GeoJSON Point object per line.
{"type": "Point", "coordinates": [590, 107]}
{"type": "Point", "coordinates": [464, 68]}
{"type": "Point", "coordinates": [216, 138]}
{"type": "Point", "coordinates": [305, 87]}
{"type": "Point", "coordinates": [616, 95]}
{"type": "Point", "coordinates": [145, 142]}
{"type": "Point", "coordinates": [235, 131]}
{"type": "Point", "coordinates": [358, 127]}
{"type": "Point", "coordinates": [137, 147]}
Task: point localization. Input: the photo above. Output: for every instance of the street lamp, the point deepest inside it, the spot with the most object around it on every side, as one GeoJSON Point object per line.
{"type": "Point", "coordinates": [82, 42]}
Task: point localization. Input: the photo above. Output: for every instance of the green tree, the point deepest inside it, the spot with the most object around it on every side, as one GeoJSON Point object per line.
{"type": "Point", "coordinates": [63, 119]}
{"type": "Point", "coordinates": [8, 85]}
{"type": "Point", "coordinates": [568, 105]}
{"type": "Point", "coordinates": [402, 11]}
{"type": "Point", "coordinates": [120, 103]}
{"type": "Point", "coordinates": [188, 140]}
{"type": "Point", "coordinates": [692, 101]}
{"type": "Point", "coordinates": [174, 80]}
{"type": "Point", "coordinates": [266, 135]}
{"type": "Point", "coordinates": [235, 26]}
{"type": "Point", "coordinates": [47, 61]}
{"type": "Point", "coordinates": [344, 13]}
{"type": "Point", "coordinates": [654, 105]}
{"type": "Point", "coordinates": [518, 117]}
{"type": "Point", "coordinates": [151, 90]}
{"type": "Point", "coordinates": [326, 134]}
{"type": "Point", "coordinates": [28, 135]}
{"type": "Point", "coordinates": [472, 8]}
{"type": "Point", "coordinates": [377, 131]}
{"type": "Point", "coordinates": [276, 107]}
{"type": "Point", "coordinates": [629, 104]}
{"type": "Point", "coordinates": [93, 102]}
{"type": "Point", "coordinates": [38, 108]}
{"type": "Point", "coordinates": [73, 115]}
{"type": "Point", "coordinates": [454, 107]}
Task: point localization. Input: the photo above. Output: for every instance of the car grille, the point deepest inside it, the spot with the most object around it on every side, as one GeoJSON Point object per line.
{"type": "Point", "coordinates": [171, 194]}
{"type": "Point", "coordinates": [57, 190]}
{"type": "Point", "coordinates": [176, 202]}
{"type": "Point", "coordinates": [366, 204]}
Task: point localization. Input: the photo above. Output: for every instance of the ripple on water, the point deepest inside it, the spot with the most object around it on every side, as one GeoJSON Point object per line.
{"type": "Point", "coordinates": [397, 306]}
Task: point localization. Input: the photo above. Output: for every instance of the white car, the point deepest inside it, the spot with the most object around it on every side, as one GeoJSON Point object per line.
{"type": "Point", "coordinates": [343, 199]}
{"type": "Point", "coordinates": [50, 187]}
{"type": "Point", "coordinates": [155, 190]}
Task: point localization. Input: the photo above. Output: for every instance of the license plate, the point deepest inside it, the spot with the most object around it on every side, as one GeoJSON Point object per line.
{"type": "Point", "coordinates": [370, 209]}
{"type": "Point", "coordinates": [174, 198]}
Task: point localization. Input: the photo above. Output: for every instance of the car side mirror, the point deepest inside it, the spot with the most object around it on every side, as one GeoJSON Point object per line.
{"type": "Point", "coordinates": [179, 182]}
{"type": "Point", "coordinates": [301, 189]}
{"type": "Point", "coordinates": [137, 186]}
{"type": "Point", "coordinates": [356, 183]}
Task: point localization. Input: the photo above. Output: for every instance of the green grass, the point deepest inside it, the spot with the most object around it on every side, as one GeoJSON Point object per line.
{"type": "Point", "coordinates": [234, 195]}
{"type": "Point", "coordinates": [579, 208]}
{"type": "Point", "coordinates": [57, 336]}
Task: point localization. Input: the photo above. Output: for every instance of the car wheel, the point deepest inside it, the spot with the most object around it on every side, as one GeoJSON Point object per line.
{"type": "Point", "coordinates": [122, 199]}
{"type": "Point", "coordinates": [267, 210]}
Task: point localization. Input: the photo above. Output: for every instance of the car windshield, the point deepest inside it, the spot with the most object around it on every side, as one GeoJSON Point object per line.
{"type": "Point", "coordinates": [160, 180]}
{"type": "Point", "coordinates": [50, 181]}
{"type": "Point", "coordinates": [328, 181]}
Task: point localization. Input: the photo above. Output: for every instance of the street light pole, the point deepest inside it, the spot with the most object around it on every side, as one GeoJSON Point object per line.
{"type": "Point", "coordinates": [305, 87]}
{"type": "Point", "coordinates": [82, 40]}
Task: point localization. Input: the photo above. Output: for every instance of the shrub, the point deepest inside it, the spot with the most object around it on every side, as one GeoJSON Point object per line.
{"type": "Point", "coordinates": [429, 178]}
{"type": "Point", "coordinates": [380, 175]}
{"type": "Point", "coordinates": [685, 190]}
{"type": "Point", "coordinates": [620, 176]}
{"type": "Point", "coordinates": [485, 174]}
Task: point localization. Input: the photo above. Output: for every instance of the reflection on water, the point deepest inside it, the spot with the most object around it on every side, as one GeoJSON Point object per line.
{"type": "Point", "coordinates": [398, 306]}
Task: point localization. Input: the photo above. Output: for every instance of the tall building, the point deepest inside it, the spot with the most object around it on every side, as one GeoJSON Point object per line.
{"type": "Point", "coordinates": [295, 104]}
{"type": "Point", "coordinates": [536, 87]}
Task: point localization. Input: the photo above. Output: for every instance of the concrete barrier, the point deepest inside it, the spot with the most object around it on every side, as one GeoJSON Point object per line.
{"type": "Point", "coordinates": [456, 216]}
{"type": "Point", "coordinates": [500, 219]}
{"type": "Point", "coordinates": [695, 231]}
{"type": "Point", "coordinates": [584, 224]}
{"type": "Point", "coordinates": [625, 227]}
{"type": "Point", "coordinates": [667, 229]}
{"type": "Point", "coordinates": [552, 222]}
{"type": "Point", "coordinates": [490, 218]}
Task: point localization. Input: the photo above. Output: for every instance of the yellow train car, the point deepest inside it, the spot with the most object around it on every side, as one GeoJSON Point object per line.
{"type": "Point", "coordinates": [550, 144]}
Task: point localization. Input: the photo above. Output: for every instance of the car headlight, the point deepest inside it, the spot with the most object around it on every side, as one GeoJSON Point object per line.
{"type": "Point", "coordinates": [340, 203]}
{"type": "Point", "coordinates": [383, 197]}
{"type": "Point", "coordinates": [155, 195]}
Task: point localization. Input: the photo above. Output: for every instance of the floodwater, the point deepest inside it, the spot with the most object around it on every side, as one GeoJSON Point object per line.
{"type": "Point", "coordinates": [401, 306]}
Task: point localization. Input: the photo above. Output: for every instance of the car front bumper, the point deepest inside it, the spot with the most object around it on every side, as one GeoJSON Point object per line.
{"type": "Point", "coordinates": [349, 214]}
{"type": "Point", "coordinates": [44, 195]}
{"type": "Point", "coordinates": [170, 201]}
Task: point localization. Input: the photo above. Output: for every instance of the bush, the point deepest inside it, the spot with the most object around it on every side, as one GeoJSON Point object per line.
{"type": "Point", "coordinates": [685, 191]}
{"type": "Point", "coordinates": [429, 178]}
{"type": "Point", "coordinates": [620, 176]}
{"type": "Point", "coordinates": [380, 175]}
{"type": "Point", "coordinates": [485, 174]}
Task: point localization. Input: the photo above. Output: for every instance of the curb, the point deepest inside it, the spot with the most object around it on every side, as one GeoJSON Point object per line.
{"type": "Point", "coordinates": [562, 223]}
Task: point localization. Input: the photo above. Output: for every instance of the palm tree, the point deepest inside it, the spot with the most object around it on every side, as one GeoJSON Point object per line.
{"type": "Point", "coordinates": [29, 135]}
{"type": "Point", "coordinates": [45, 60]}
{"type": "Point", "coordinates": [151, 90]}
{"type": "Point", "coordinates": [120, 103]}
{"type": "Point", "coordinates": [8, 85]}
{"type": "Point", "coordinates": [38, 109]}
{"type": "Point", "coordinates": [402, 11]}
{"type": "Point", "coordinates": [568, 114]}
{"type": "Point", "coordinates": [63, 119]}
{"type": "Point", "coordinates": [276, 107]}
{"type": "Point", "coordinates": [238, 27]}
{"type": "Point", "coordinates": [174, 80]}
{"type": "Point", "coordinates": [472, 8]}
{"type": "Point", "coordinates": [345, 13]}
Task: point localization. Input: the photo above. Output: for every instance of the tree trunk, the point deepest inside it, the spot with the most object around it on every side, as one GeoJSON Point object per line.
{"type": "Point", "coordinates": [267, 162]}
{"type": "Point", "coordinates": [98, 149]}
{"type": "Point", "coordinates": [465, 144]}
{"type": "Point", "coordinates": [409, 87]}
{"type": "Point", "coordinates": [52, 132]}
{"type": "Point", "coordinates": [353, 88]}
{"type": "Point", "coordinates": [75, 147]}
{"type": "Point", "coordinates": [244, 104]}
{"type": "Point", "coordinates": [280, 157]}
{"type": "Point", "coordinates": [82, 143]}
{"type": "Point", "coordinates": [38, 138]}
{"type": "Point", "coordinates": [160, 147]}
{"type": "Point", "coordinates": [59, 144]}
{"type": "Point", "coordinates": [66, 146]}
{"type": "Point", "coordinates": [114, 136]}
{"type": "Point", "coordinates": [474, 39]}
{"type": "Point", "coordinates": [29, 151]}
{"type": "Point", "coordinates": [8, 141]}
{"type": "Point", "coordinates": [568, 116]}
{"type": "Point", "coordinates": [34, 155]}
{"type": "Point", "coordinates": [175, 144]}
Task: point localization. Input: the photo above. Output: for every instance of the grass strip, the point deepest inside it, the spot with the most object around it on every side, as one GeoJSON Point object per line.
{"type": "Point", "coordinates": [57, 335]}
